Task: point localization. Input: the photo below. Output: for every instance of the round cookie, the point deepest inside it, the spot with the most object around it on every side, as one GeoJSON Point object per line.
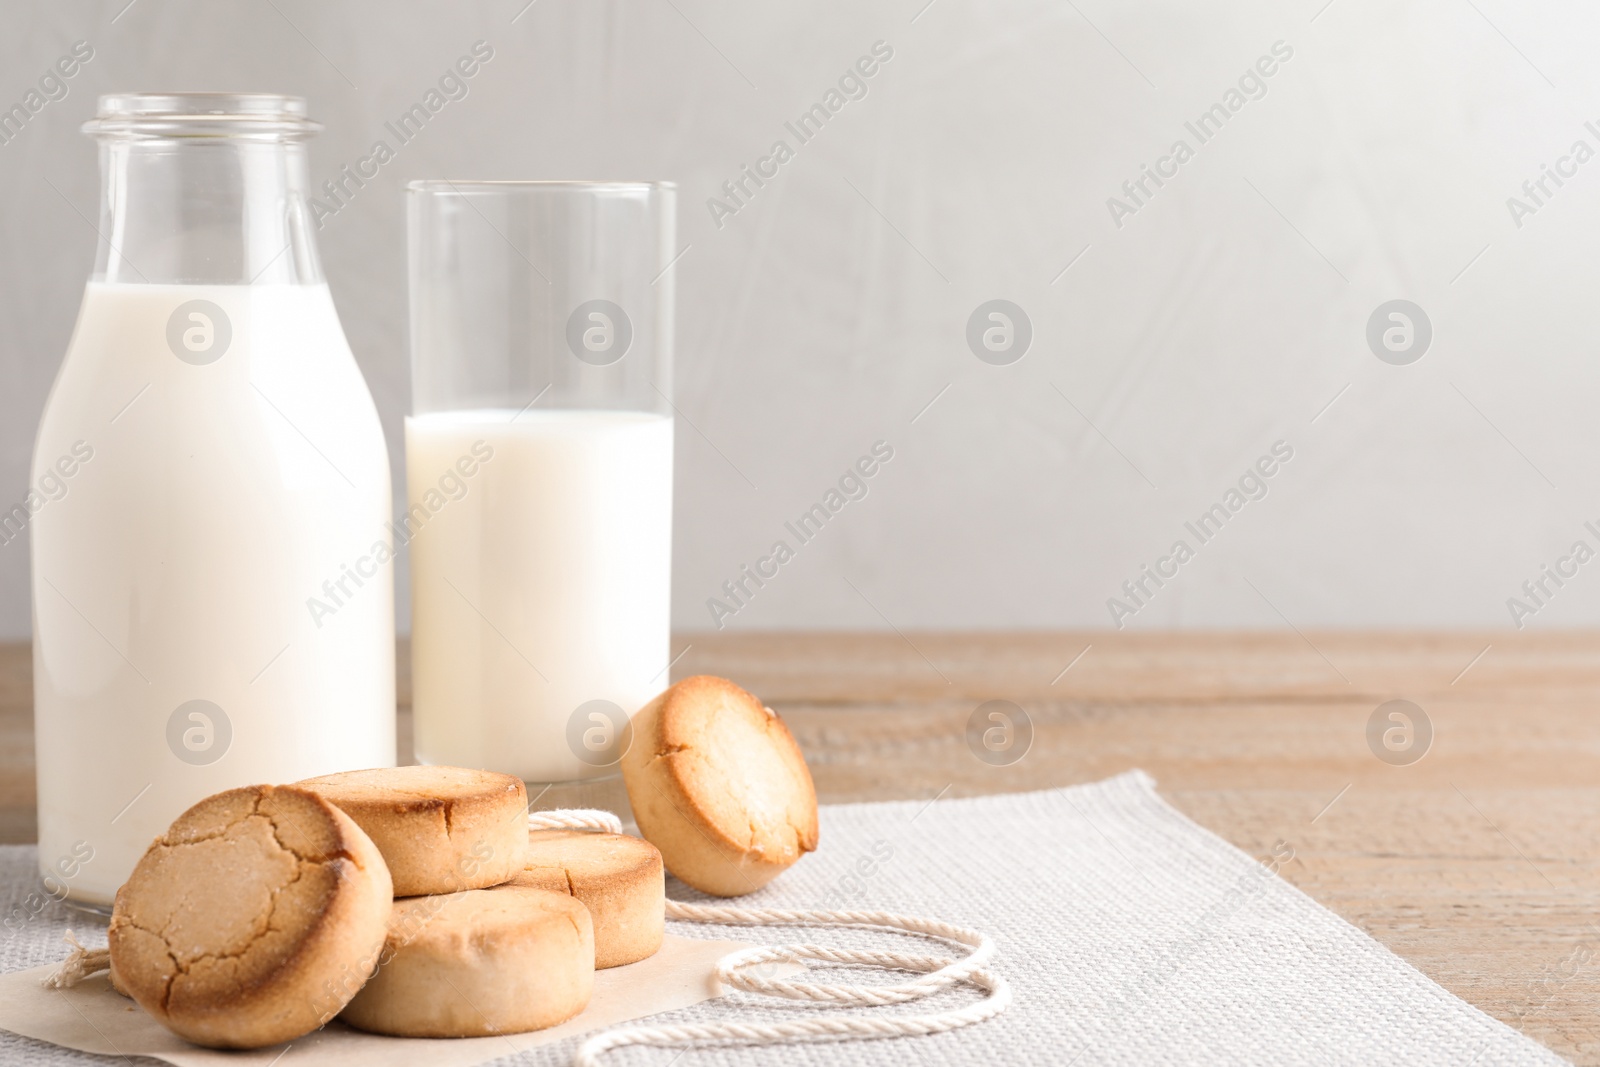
{"type": "Point", "coordinates": [482, 962]}
{"type": "Point", "coordinates": [253, 920]}
{"type": "Point", "coordinates": [718, 784]}
{"type": "Point", "coordinates": [440, 829]}
{"type": "Point", "coordinates": [617, 877]}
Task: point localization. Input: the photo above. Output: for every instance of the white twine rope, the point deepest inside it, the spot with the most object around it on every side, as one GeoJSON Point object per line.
{"type": "Point", "coordinates": [81, 963]}
{"type": "Point", "coordinates": [937, 973]}
{"type": "Point", "coordinates": [575, 819]}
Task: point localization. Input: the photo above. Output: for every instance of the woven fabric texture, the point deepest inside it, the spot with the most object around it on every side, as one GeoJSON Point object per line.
{"type": "Point", "coordinates": [1129, 935]}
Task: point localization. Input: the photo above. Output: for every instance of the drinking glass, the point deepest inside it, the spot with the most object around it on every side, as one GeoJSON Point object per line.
{"type": "Point", "coordinates": [539, 470]}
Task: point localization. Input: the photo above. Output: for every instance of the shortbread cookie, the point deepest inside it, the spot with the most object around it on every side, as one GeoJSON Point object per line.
{"type": "Point", "coordinates": [253, 920]}
{"type": "Point", "coordinates": [440, 829]}
{"type": "Point", "coordinates": [617, 877]}
{"type": "Point", "coordinates": [482, 962]}
{"type": "Point", "coordinates": [718, 784]}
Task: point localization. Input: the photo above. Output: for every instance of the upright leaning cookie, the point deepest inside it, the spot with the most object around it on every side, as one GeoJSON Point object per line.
{"type": "Point", "coordinates": [253, 920]}
{"type": "Point", "coordinates": [718, 784]}
{"type": "Point", "coordinates": [487, 961]}
{"type": "Point", "coordinates": [617, 877]}
{"type": "Point", "coordinates": [440, 829]}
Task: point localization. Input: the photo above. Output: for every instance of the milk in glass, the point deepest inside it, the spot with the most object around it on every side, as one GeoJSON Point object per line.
{"type": "Point", "coordinates": [540, 580]}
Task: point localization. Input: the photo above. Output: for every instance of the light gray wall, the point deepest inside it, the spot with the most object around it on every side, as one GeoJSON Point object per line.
{"type": "Point", "coordinates": [1222, 316]}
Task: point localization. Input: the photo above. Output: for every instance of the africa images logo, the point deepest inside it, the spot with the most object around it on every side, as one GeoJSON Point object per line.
{"type": "Point", "coordinates": [199, 332]}
{"type": "Point", "coordinates": [599, 332]}
{"type": "Point", "coordinates": [199, 732]}
{"type": "Point", "coordinates": [999, 332]}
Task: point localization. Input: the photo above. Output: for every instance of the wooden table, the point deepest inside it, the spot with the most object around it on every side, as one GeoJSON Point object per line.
{"type": "Point", "coordinates": [1477, 863]}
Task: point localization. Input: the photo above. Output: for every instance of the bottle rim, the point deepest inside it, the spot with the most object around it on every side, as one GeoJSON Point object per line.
{"type": "Point", "coordinates": [228, 116]}
{"type": "Point", "coordinates": [465, 186]}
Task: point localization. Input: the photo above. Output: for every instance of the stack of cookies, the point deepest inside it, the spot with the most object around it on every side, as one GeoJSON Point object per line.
{"type": "Point", "coordinates": [414, 901]}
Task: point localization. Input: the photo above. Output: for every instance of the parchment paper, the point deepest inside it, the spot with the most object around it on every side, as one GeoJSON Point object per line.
{"type": "Point", "coordinates": [91, 1017]}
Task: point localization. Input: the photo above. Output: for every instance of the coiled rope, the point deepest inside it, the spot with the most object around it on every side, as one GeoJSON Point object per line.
{"type": "Point", "coordinates": [736, 971]}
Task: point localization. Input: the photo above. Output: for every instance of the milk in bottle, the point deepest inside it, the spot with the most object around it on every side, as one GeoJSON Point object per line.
{"type": "Point", "coordinates": [212, 592]}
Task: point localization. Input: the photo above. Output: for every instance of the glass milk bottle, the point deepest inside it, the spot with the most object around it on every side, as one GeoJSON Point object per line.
{"type": "Point", "coordinates": [212, 587]}
{"type": "Point", "coordinates": [539, 471]}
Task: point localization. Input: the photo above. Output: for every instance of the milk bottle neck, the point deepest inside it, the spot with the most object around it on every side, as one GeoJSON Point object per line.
{"type": "Point", "coordinates": [207, 191]}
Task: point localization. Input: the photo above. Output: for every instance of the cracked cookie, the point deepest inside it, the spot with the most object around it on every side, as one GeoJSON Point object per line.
{"type": "Point", "coordinates": [718, 784]}
{"type": "Point", "coordinates": [617, 877]}
{"type": "Point", "coordinates": [252, 920]}
{"type": "Point", "coordinates": [440, 829]}
{"type": "Point", "coordinates": [482, 962]}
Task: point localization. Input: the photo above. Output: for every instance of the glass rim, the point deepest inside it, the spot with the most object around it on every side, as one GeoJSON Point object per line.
{"type": "Point", "coordinates": [263, 116]}
{"type": "Point", "coordinates": [447, 186]}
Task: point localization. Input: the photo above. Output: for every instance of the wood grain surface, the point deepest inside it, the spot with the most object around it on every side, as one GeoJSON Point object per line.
{"type": "Point", "coordinates": [1477, 863]}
